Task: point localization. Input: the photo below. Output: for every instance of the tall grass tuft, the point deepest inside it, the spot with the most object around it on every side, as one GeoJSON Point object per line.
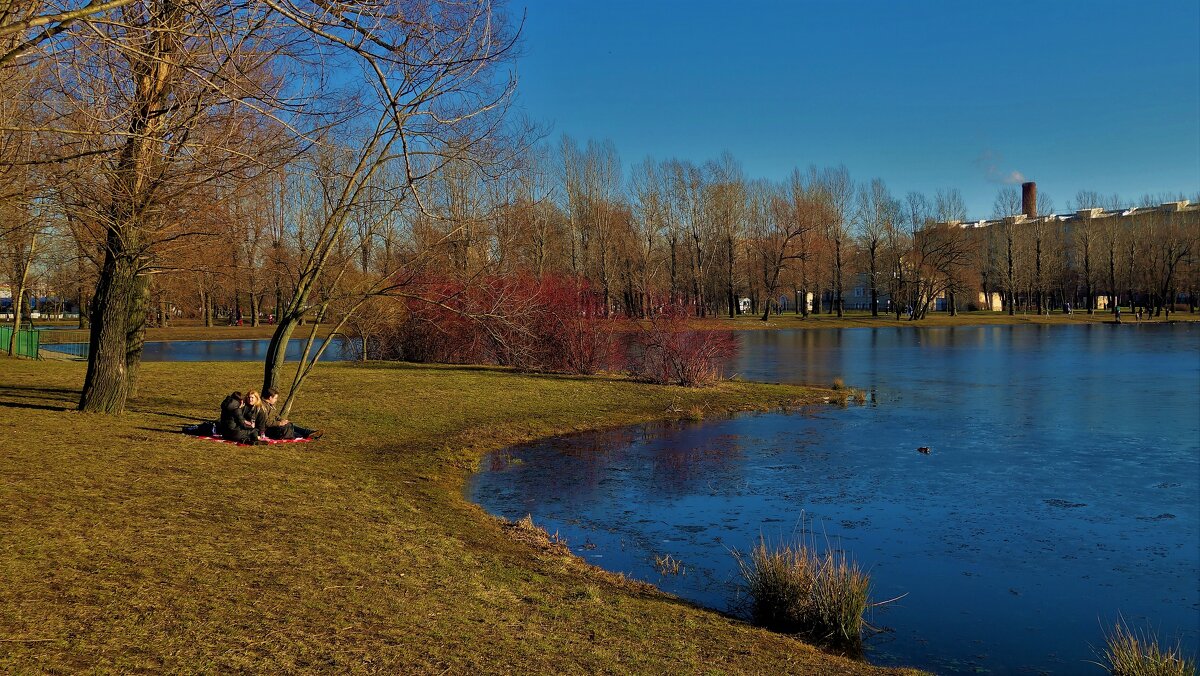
{"type": "Point", "coordinates": [794, 589]}
{"type": "Point", "coordinates": [1129, 653]}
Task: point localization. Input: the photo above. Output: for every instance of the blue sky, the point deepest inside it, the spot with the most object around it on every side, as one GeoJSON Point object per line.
{"type": "Point", "coordinates": [927, 94]}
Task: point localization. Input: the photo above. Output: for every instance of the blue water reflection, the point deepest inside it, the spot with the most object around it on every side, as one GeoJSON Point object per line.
{"type": "Point", "coordinates": [219, 350]}
{"type": "Point", "coordinates": [1063, 487]}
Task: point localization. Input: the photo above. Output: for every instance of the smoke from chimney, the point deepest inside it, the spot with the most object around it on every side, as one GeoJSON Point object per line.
{"type": "Point", "coordinates": [1029, 199]}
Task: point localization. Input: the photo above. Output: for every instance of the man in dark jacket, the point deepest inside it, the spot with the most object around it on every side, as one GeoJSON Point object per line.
{"type": "Point", "coordinates": [269, 424]}
{"type": "Point", "coordinates": [233, 425]}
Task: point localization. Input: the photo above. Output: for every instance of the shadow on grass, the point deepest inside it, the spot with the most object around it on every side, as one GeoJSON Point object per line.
{"type": "Point", "coordinates": [5, 389]}
{"type": "Point", "coordinates": [37, 407]}
{"type": "Point", "coordinates": [145, 410]}
{"type": "Point", "coordinates": [42, 398]}
{"type": "Point", "coordinates": [38, 397]}
{"type": "Point", "coordinates": [161, 430]}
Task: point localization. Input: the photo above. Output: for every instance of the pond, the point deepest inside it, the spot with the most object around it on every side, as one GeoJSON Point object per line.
{"type": "Point", "coordinates": [1062, 490]}
{"type": "Point", "coordinates": [214, 350]}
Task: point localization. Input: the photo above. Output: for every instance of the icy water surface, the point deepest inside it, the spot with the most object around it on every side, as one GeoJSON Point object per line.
{"type": "Point", "coordinates": [235, 349]}
{"type": "Point", "coordinates": [1062, 488]}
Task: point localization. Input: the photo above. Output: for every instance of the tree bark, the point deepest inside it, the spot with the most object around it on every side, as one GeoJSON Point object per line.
{"type": "Point", "coordinates": [135, 333]}
{"type": "Point", "coordinates": [277, 350]}
{"type": "Point", "coordinates": [105, 384]}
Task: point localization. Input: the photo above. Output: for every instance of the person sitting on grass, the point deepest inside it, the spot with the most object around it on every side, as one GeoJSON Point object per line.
{"type": "Point", "coordinates": [254, 411]}
{"type": "Point", "coordinates": [271, 426]}
{"type": "Point", "coordinates": [234, 425]}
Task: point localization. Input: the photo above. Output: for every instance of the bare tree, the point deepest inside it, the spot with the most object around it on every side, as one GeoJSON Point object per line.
{"type": "Point", "coordinates": [877, 212]}
{"type": "Point", "coordinates": [1169, 243]}
{"type": "Point", "coordinates": [949, 208]}
{"type": "Point", "coordinates": [1006, 208]}
{"type": "Point", "coordinates": [836, 188]}
{"type": "Point", "coordinates": [430, 80]}
{"type": "Point", "coordinates": [1041, 230]}
{"type": "Point", "coordinates": [726, 206]}
{"type": "Point", "coordinates": [687, 186]}
{"type": "Point", "coordinates": [898, 244]}
{"type": "Point", "coordinates": [26, 27]}
{"type": "Point", "coordinates": [650, 218]}
{"type": "Point", "coordinates": [1086, 236]}
{"type": "Point", "coordinates": [148, 101]}
{"type": "Point", "coordinates": [779, 219]}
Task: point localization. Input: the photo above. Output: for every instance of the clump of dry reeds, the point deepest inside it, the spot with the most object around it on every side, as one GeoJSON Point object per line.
{"type": "Point", "coordinates": [795, 589]}
{"type": "Point", "coordinates": [1131, 653]}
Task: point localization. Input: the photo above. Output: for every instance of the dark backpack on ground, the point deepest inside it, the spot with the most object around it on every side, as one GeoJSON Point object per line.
{"type": "Point", "coordinates": [204, 429]}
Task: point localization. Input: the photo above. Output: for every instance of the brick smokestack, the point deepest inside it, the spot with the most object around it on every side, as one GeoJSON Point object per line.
{"type": "Point", "coordinates": [1029, 199]}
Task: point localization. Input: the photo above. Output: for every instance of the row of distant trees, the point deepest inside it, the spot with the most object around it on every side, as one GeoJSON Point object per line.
{"type": "Point", "coordinates": [340, 163]}
{"type": "Point", "coordinates": [671, 233]}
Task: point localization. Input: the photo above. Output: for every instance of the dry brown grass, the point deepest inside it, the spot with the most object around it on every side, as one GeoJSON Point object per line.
{"type": "Point", "coordinates": [127, 547]}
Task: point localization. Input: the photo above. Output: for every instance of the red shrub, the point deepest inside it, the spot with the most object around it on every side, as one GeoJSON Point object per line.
{"type": "Point", "coordinates": [667, 351]}
{"type": "Point", "coordinates": [551, 324]}
{"type": "Point", "coordinates": [569, 330]}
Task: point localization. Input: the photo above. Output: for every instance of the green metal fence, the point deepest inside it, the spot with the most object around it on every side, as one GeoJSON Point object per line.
{"type": "Point", "coordinates": [68, 342]}
{"type": "Point", "coordinates": [27, 341]}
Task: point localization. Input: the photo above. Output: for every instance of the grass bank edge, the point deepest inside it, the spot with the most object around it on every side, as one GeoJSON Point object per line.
{"type": "Point", "coordinates": [438, 464]}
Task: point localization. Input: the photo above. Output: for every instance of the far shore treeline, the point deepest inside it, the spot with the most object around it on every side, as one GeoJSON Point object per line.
{"type": "Point", "coordinates": [362, 169]}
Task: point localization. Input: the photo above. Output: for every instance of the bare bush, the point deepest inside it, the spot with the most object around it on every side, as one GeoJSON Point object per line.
{"type": "Point", "coordinates": [668, 351]}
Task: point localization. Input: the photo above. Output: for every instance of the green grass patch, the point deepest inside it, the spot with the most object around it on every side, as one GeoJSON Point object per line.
{"type": "Point", "coordinates": [126, 546]}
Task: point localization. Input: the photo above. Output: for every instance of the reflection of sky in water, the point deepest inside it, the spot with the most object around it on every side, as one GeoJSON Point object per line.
{"type": "Point", "coordinates": [1063, 486]}
{"type": "Point", "coordinates": [222, 350]}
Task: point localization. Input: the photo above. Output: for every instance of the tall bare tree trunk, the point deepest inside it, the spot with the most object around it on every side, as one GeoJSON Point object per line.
{"type": "Point", "coordinates": [837, 277]}
{"type": "Point", "coordinates": [106, 381]}
{"type": "Point", "coordinates": [152, 71]}
{"type": "Point", "coordinates": [729, 279]}
{"type": "Point", "coordinates": [135, 332]}
{"type": "Point", "coordinates": [1011, 279]}
{"type": "Point", "coordinates": [874, 285]}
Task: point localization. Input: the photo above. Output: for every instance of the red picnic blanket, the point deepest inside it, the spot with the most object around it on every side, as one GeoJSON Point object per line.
{"type": "Point", "coordinates": [220, 440]}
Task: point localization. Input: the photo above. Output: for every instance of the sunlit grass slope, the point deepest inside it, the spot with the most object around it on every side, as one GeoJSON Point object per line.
{"type": "Point", "coordinates": [127, 547]}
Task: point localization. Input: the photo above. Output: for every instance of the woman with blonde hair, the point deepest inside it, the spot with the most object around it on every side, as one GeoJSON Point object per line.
{"type": "Point", "coordinates": [254, 410]}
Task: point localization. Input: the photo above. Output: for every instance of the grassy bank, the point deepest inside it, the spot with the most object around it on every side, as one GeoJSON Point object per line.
{"type": "Point", "coordinates": [862, 319]}
{"type": "Point", "coordinates": [127, 546]}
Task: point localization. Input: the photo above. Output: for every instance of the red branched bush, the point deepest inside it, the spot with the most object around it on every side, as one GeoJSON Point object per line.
{"type": "Point", "coordinates": [667, 351]}
{"type": "Point", "coordinates": [551, 324]}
